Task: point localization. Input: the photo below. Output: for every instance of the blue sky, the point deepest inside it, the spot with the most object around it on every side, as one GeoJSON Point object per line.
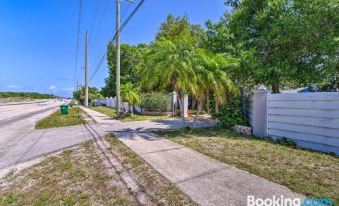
{"type": "Point", "coordinates": [38, 37]}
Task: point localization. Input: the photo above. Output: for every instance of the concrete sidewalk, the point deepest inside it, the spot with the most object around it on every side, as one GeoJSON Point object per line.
{"type": "Point", "coordinates": [205, 180]}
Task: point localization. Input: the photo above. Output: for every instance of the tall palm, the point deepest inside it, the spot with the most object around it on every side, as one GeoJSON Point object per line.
{"type": "Point", "coordinates": [167, 64]}
{"type": "Point", "coordinates": [211, 76]}
{"type": "Point", "coordinates": [217, 79]}
{"type": "Point", "coordinates": [130, 94]}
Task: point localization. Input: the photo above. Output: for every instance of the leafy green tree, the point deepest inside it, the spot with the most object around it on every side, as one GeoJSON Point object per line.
{"type": "Point", "coordinates": [130, 58]}
{"type": "Point", "coordinates": [170, 64]}
{"type": "Point", "coordinates": [211, 77]}
{"type": "Point", "coordinates": [176, 60]}
{"type": "Point", "coordinates": [93, 93]}
{"type": "Point", "coordinates": [131, 94]}
{"type": "Point", "coordinates": [291, 42]}
{"type": "Point", "coordinates": [179, 28]}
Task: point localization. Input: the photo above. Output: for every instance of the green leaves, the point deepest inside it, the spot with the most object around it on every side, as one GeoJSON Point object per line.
{"type": "Point", "coordinates": [130, 93]}
{"type": "Point", "coordinates": [157, 102]}
{"type": "Point", "coordinates": [130, 59]}
{"type": "Point", "coordinates": [93, 93]}
{"type": "Point", "coordinates": [230, 114]}
{"type": "Point", "coordinates": [293, 41]}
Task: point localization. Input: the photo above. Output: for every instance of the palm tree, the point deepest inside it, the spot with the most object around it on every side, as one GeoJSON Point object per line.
{"type": "Point", "coordinates": [211, 76]}
{"type": "Point", "coordinates": [130, 94]}
{"type": "Point", "coordinates": [216, 79]}
{"type": "Point", "coordinates": [169, 64]}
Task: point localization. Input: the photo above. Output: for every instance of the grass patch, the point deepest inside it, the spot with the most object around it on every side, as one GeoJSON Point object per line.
{"type": "Point", "coordinates": [310, 173]}
{"type": "Point", "coordinates": [137, 117]}
{"type": "Point", "coordinates": [163, 191]}
{"type": "Point", "coordinates": [106, 111]}
{"type": "Point", "coordinates": [61, 120]}
{"type": "Point", "coordinates": [129, 118]}
{"type": "Point", "coordinates": [74, 177]}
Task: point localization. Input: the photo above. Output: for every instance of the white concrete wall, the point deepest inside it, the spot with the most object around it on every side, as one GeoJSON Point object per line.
{"type": "Point", "coordinates": [109, 102]}
{"type": "Point", "coordinates": [309, 119]}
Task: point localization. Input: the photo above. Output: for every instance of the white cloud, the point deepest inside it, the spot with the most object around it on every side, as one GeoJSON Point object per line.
{"type": "Point", "coordinates": [13, 86]}
{"type": "Point", "coordinates": [68, 89]}
{"type": "Point", "coordinates": [52, 87]}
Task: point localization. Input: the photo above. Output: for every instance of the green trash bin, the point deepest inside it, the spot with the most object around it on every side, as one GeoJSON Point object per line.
{"type": "Point", "coordinates": [64, 109]}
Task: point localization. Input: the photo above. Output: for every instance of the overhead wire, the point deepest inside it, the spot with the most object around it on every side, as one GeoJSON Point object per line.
{"type": "Point", "coordinates": [94, 37]}
{"type": "Point", "coordinates": [114, 37]}
{"type": "Point", "coordinates": [95, 16]}
{"type": "Point", "coordinates": [78, 40]}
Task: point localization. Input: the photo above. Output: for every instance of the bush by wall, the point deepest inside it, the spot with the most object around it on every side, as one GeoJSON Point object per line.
{"type": "Point", "coordinates": [230, 114]}
{"type": "Point", "coordinates": [156, 102]}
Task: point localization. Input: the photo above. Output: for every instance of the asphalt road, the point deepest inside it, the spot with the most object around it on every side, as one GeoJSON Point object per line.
{"type": "Point", "coordinates": [20, 142]}
{"type": "Point", "coordinates": [18, 120]}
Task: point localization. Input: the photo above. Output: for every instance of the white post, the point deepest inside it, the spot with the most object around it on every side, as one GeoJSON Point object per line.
{"type": "Point", "coordinates": [174, 103]}
{"type": "Point", "coordinates": [185, 106]}
{"type": "Point", "coordinates": [107, 101]}
{"type": "Point", "coordinates": [111, 102]}
{"type": "Point", "coordinates": [259, 118]}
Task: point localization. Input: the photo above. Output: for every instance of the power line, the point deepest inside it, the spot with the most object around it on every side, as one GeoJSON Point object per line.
{"type": "Point", "coordinates": [78, 39]}
{"type": "Point", "coordinates": [95, 17]}
{"type": "Point", "coordinates": [115, 35]}
{"type": "Point", "coordinates": [99, 27]}
{"type": "Point", "coordinates": [125, 11]}
{"type": "Point", "coordinates": [101, 20]}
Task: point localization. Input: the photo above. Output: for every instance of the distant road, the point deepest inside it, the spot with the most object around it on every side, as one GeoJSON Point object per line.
{"type": "Point", "coordinates": [16, 111]}
{"type": "Point", "coordinates": [6, 103]}
{"type": "Point", "coordinates": [18, 120]}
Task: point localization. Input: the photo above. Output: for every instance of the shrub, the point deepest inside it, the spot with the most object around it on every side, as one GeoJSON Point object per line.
{"type": "Point", "coordinates": [230, 114]}
{"type": "Point", "coordinates": [73, 103]}
{"type": "Point", "coordinates": [286, 142]}
{"type": "Point", "coordinates": [157, 102]}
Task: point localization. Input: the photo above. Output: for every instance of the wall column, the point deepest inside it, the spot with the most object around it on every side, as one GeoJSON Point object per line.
{"type": "Point", "coordinates": [259, 118]}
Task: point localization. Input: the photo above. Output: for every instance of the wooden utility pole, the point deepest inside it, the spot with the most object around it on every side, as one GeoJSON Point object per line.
{"type": "Point", "coordinates": [117, 56]}
{"type": "Point", "coordinates": [86, 72]}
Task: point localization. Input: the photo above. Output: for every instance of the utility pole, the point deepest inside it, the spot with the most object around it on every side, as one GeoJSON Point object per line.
{"type": "Point", "coordinates": [117, 56]}
{"type": "Point", "coordinates": [86, 72]}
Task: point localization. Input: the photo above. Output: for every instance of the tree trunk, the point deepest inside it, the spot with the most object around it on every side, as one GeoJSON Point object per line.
{"type": "Point", "coordinates": [181, 105]}
{"type": "Point", "coordinates": [208, 101]}
{"type": "Point", "coordinates": [194, 103]}
{"type": "Point", "coordinates": [275, 84]}
{"type": "Point", "coordinates": [198, 112]}
{"type": "Point", "coordinates": [216, 104]}
{"type": "Point", "coordinates": [131, 108]}
{"type": "Point", "coordinates": [243, 100]}
{"type": "Point", "coordinates": [275, 87]}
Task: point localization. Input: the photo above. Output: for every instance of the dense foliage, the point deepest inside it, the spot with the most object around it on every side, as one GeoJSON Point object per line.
{"type": "Point", "coordinates": [178, 60]}
{"type": "Point", "coordinates": [290, 43]}
{"type": "Point", "coordinates": [93, 93]}
{"type": "Point", "coordinates": [157, 102]}
{"type": "Point", "coordinates": [26, 95]}
{"type": "Point", "coordinates": [279, 43]}
{"type": "Point", "coordinates": [130, 58]}
{"type": "Point", "coordinates": [230, 114]}
{"type": "Point", "coordinates": [131, 94]}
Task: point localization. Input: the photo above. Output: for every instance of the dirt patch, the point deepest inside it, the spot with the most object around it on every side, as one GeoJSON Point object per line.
{"type": "Point", "coordinates": [74, 177]}
{"type": "Point", "coordinates": [162, 191]}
